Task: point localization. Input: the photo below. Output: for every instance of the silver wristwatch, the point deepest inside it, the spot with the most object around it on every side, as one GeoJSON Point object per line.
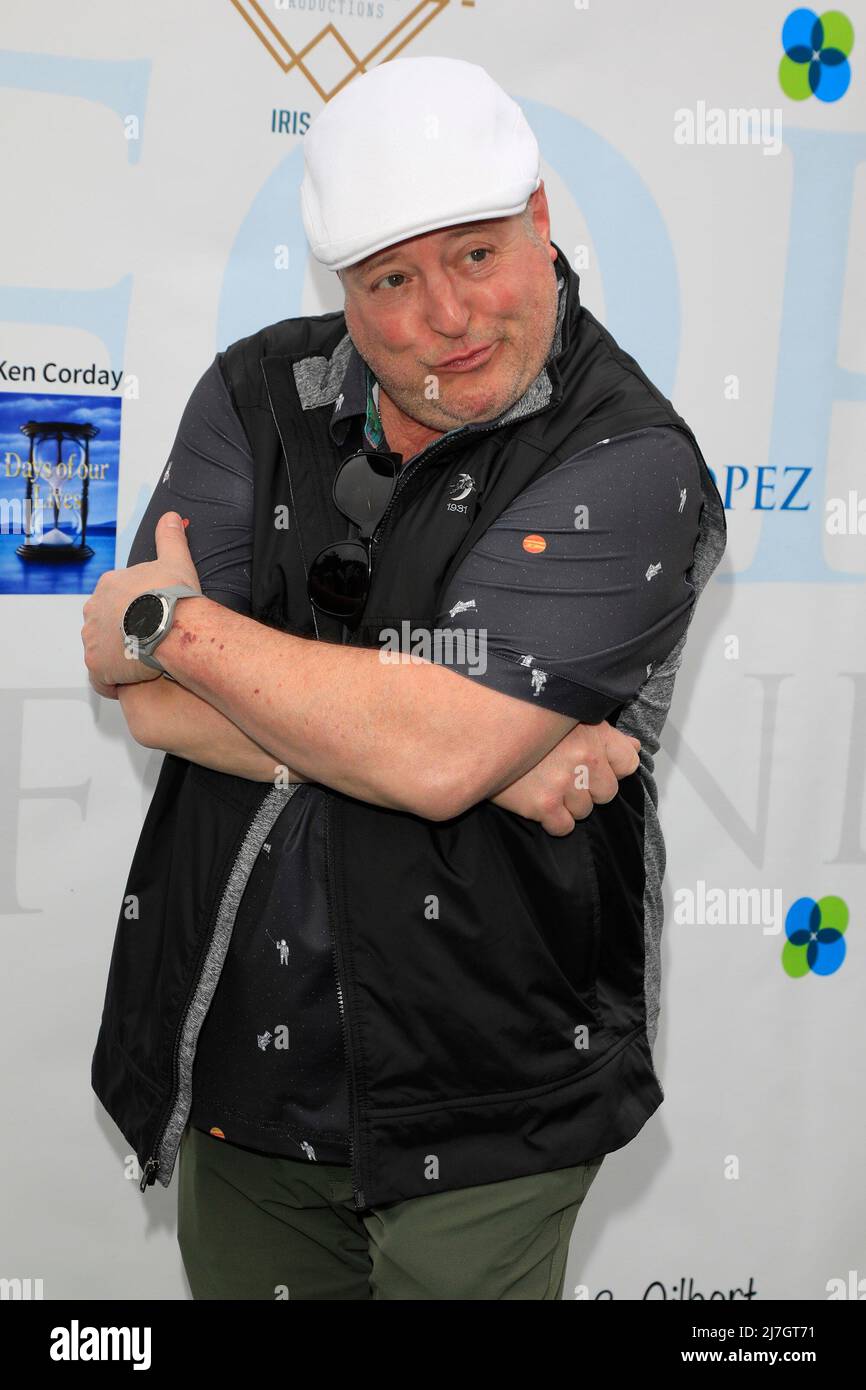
{"type": "Point", "coordinates": [148, 618]}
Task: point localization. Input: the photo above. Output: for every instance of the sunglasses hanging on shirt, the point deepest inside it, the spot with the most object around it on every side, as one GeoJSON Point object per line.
{"type": "Point", "coordinates": [339, 579]}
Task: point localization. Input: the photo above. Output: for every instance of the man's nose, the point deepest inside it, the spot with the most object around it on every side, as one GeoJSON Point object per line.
{"type": "Point", "coordinates": [445, 306]}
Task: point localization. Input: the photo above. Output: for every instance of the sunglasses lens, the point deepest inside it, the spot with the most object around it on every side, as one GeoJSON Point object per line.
{"type": "Point", "coordinates": [363, 487]}
{"type": "Point", "coordinates": [339, 576]}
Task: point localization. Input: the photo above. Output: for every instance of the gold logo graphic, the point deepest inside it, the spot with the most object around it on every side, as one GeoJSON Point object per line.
{"type": "Point", "coordinates": [333, 47]}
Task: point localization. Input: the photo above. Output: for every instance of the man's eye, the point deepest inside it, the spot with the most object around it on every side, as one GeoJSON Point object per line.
{"type": "Point", "coordinates": [398, 275]}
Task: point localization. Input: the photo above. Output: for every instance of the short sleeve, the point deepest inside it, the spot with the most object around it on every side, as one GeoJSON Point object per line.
{"type": "Point", "coordinates": [581, 585]}
{"type": "Point", "coordinates": [208, 477]}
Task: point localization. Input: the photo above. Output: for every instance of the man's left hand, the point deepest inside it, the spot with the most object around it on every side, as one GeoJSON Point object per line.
{"type": "Point", "coordinates": [105, 655]}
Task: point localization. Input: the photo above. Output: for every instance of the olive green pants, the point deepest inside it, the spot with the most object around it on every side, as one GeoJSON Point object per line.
{"type": "Point", "coordinates": [254, 1225]}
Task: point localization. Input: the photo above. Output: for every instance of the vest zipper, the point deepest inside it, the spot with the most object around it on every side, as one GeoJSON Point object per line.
{"type": "Point", "coordinates": [354, 1120]}
{"type": "Point", "coordinates": [357, 1194]}
{"type": "Point", "coordinates": [425, 454]}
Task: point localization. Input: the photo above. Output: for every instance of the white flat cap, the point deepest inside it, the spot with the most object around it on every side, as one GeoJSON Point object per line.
{"type": "Point", "coordinates": [413, 145]}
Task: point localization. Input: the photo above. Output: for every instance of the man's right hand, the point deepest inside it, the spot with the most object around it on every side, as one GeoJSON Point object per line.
{"type": "Point", "coordinates": [583, 769]}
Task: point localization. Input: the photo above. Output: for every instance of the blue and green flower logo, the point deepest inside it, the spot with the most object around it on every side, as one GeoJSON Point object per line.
{"type": "Point", "coordinates": [816, 55]}
{"type": "Point", "coordinates": [816, 936]}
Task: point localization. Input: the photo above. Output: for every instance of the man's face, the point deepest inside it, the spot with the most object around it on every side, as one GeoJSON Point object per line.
{"type": "Point", "coordinates": [428, 298]}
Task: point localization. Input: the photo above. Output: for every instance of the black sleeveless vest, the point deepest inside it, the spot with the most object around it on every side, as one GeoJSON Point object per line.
{"type": "Point", "coordinates": [490, 976]}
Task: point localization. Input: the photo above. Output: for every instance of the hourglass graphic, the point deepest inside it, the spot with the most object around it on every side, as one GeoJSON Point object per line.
{"type": "Point", "coordinates": [57, 491]}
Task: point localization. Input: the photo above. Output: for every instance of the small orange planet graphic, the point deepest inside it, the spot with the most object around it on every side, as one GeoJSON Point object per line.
{"type": "Point", "coordinates": [534, 544]}
{"type": "Point", "coordinates": [217, 1133]}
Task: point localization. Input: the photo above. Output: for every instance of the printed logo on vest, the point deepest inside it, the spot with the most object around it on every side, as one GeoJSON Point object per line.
{"type": "Point", "coordinates": [462, 487]}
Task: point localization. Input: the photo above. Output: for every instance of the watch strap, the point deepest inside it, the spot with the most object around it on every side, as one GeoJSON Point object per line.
{"type": "Point", "coordinates": [178, 591]}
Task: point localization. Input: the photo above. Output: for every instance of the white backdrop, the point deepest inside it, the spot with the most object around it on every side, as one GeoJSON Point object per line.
{"type": "Point", "coordinates": [148, 189]}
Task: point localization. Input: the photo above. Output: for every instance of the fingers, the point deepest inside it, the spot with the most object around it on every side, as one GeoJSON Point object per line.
{"type": "Point", "coordinates": [579, 804]}
{"type": "Point", "coordinates": [582, 772]}
{"type": "Point", "coordinates": [558, 821]}
{"type": "Point", "coordinates": [604, 785]}
{"type": "Point", "coordinates": [593, 772]}
{"type": "Point", "coordinates": [105, 688]}
{"type": "Point", "coordinates": [172, 545]}
{"type": "Point", "coordinates": [621, 750]}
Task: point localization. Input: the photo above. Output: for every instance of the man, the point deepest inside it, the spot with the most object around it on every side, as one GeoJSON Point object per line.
{"type": "Point", "coordinates": [392, 986]}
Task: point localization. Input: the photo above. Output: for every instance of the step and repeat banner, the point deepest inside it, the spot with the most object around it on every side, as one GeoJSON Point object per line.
{"type": "Point", "coordinates": [705, 167]}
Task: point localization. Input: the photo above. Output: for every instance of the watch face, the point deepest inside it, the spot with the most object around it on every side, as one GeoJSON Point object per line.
{"type": "Point", "coordinates": [143, 617]}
